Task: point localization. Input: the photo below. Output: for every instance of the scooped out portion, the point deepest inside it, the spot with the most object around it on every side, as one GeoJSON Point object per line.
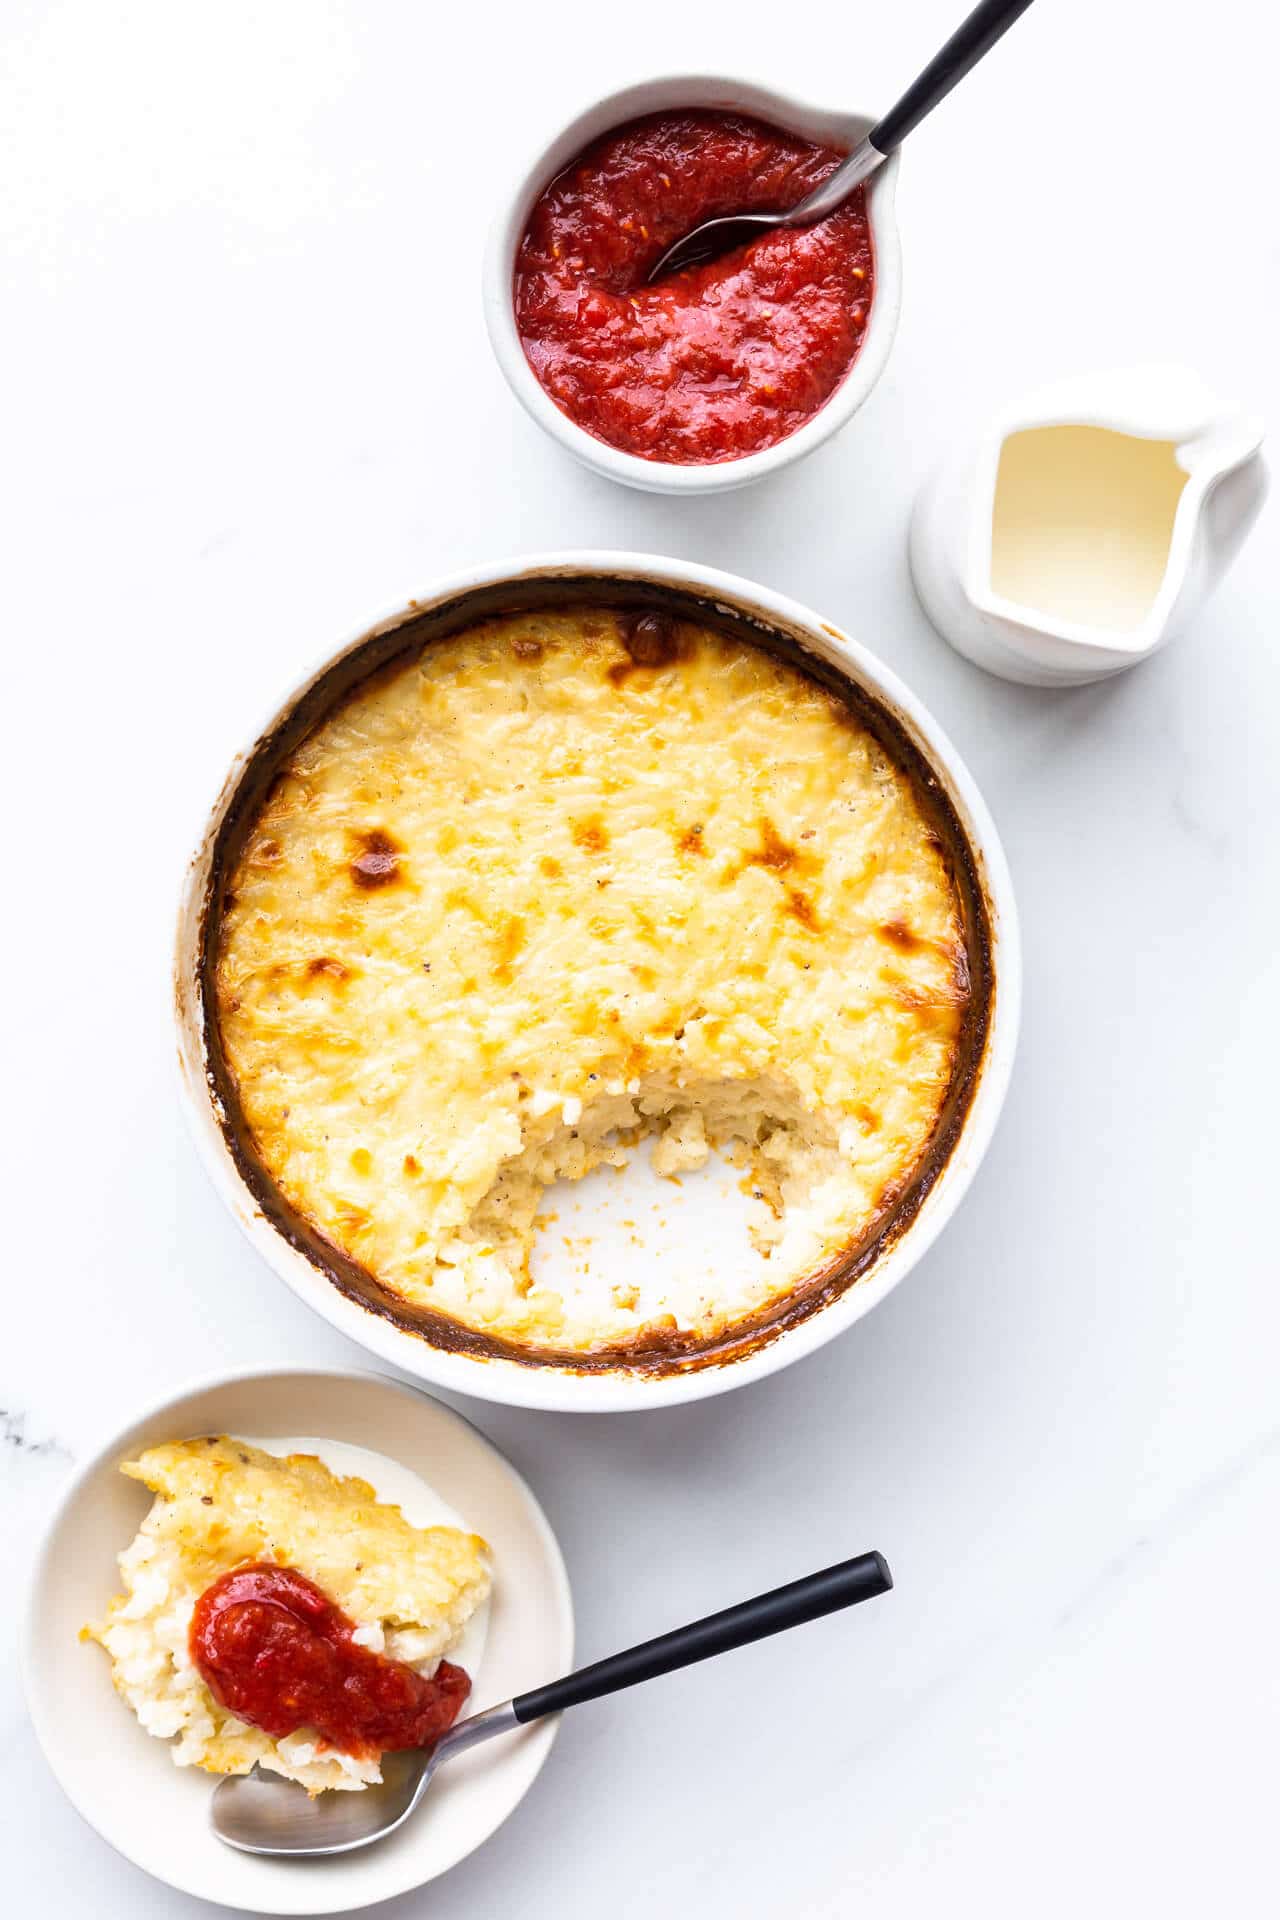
{"type": "Point", "coordinates": [560, 883]}
{"type": "Point", "coordinates": [277, 1614]}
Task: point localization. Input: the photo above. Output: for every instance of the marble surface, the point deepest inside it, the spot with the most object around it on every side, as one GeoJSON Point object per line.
{"type": "Point", "coordinates": [249, 403]}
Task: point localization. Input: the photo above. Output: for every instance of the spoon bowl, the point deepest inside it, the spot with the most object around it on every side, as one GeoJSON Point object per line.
{"type": "Point", "coordinates": [715, 237]}
{"type": "Point", "coordinates": [265, 1813]}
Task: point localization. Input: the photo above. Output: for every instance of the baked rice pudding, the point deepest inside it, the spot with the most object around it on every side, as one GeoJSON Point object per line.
{"type": "Point", "coordinates": [226, 1510]}
{"type": "Point", "coordinates": [559, 881]}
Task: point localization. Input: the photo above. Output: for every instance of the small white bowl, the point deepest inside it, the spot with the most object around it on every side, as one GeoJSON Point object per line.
{"type": "Point", "coordinates": [653, 96]}
{"type": "Point", "coordinates": [474, 594]}
{"type": "Point", "coordinates": [124, 1782]}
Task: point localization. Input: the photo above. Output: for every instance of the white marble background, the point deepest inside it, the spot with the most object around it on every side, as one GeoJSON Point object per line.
{"type": "Point", "coordinates": [247, 402]}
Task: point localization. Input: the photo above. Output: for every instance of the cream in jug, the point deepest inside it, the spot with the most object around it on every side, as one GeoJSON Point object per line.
{"type": "Point", "coordinates": [1087, 526]}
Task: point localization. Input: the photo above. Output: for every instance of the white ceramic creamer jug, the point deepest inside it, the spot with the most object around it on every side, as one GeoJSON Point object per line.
{"type": "Point", "coordinates": [1088, 524]}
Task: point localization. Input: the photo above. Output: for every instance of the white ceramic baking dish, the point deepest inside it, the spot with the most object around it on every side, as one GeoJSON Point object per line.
{"type": "Point", "coordinates": [564, 578]}
{"type": "Point", "coordinates": [839, 129]}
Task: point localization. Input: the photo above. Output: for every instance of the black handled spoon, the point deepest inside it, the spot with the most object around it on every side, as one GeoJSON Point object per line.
{"type": "Point", "coordinates": [972, 38]}
{"type": "Point", "coordinates": [263, 1813]}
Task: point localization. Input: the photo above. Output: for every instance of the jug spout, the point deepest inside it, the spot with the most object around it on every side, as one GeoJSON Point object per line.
{"type": "Point", "coordinates": [1221, 446]}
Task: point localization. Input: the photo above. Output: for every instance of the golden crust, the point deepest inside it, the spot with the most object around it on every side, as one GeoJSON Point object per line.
{"type": "Point", "coordinates": [226, 1502]}
{"type": "Point", "coordinates": [559, 864]}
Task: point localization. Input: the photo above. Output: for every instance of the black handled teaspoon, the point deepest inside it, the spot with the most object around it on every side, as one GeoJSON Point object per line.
{"type": "Point", "coordinates": [263, 1813]}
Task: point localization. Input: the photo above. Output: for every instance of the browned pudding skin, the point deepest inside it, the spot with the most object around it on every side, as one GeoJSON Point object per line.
{"type": "Point", "coordinates": [647, 621]}
{"type": "Point", "coordinates": [773, 853]}
{"type": "Point", "coordinates": [900, 936]}
{"type": "Point", "coordinates": [775, 856]}
{"type": "Point", "coordinates": [378, 862]}
{"type": "Point", "coordinates": [800, 907]}
{"type": "Point", "coordinates": [650, 639]}
{"type": "Point", "coordinates": [333, 969]}
{"type": "Point", "coordinates": [590, 834]}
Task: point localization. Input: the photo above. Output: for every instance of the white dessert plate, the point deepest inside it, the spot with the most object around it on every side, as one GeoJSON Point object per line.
{"type": "Point", "coordinates": [124, 1782]}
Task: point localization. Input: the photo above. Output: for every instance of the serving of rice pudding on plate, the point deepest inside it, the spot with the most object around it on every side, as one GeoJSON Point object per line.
{"type": "Point", "coordinates": [244, 1559]}
{"type": "Point", "coordinates": [565, 878]}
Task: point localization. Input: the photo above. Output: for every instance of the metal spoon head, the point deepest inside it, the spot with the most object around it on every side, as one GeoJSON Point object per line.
{"type": "Point", "coordinates": [263, 1813]}
{"type": "Point", "coordinates": [711, 239]}
{"type": "Point", "coordinates": [714, 237]}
